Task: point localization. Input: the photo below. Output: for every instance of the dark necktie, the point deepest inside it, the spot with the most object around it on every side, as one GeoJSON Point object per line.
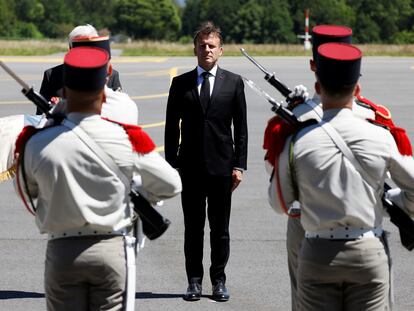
{"type": "Point", "coordinates": [205, 90]}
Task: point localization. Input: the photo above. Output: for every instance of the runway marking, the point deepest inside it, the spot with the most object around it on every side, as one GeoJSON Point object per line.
{"type": "Point", "coordinates": [159, 149]}
{"type": "Point", "coordinates": [154, 73]}
{"type": "Point", "coordinates": [114, 60]}
{"type": "Point", "coordinates": [15, 102]}
{"type": "Point", "coordinates": [149, 96]}
{"type": "Point", "coordinates": [149, 125]}
{"type": "Point", "coordinates": [173, 73]}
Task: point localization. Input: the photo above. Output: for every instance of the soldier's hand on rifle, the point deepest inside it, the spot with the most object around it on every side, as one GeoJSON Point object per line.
{"type": "Point", "coordinates": [298, 95]}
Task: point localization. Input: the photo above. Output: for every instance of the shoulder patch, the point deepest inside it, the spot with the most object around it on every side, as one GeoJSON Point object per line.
{"type": "Point", "coordinates": [380, 111]}
{"type": "Point", "coordinates": [24, 136]}
{"type": "Point", "coordinates": [140, 140]}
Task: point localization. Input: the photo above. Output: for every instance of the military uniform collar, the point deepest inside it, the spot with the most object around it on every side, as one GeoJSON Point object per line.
{"type": "Point", "coordinates": [77, 117]}
{"type": "Point", "coordinates": [329, 114]}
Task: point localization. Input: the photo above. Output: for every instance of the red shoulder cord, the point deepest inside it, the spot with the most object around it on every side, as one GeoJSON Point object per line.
{"type": "Point", "coordinates": [24, 136]}
{"type": "Point", "coordinates": [383, 118]}
{"type": "Point", "coordinates": [276, 133]}
{"type": "Point", "coordinates": [140, 140]}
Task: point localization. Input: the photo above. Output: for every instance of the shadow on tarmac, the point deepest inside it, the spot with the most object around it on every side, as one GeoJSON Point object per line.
{"type": "Point", "coordinates": [17, 294]}
{"type": "Point", "coordinates": [151, 295]}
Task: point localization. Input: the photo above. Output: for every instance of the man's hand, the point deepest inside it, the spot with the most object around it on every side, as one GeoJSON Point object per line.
{"type": "Point", "coordinates": [237, 177]}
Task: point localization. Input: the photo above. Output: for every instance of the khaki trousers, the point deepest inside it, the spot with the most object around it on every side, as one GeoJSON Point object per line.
{"type": "Point", "coordinates": [85, 274]}
{"type": "Point", "coordinates": [344, 275]}
{"type": "Point", "coordinates": [294, 236]}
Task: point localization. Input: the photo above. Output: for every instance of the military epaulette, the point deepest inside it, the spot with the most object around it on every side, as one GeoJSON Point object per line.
{"type": "Point", "coordinates": [383, 119]}
{"type": "Point", "coordinates": [140, 140]}
{"type": "Point", "coordinates": [24, 136]}
{"type": "Point", "coordinates": [381, 112]}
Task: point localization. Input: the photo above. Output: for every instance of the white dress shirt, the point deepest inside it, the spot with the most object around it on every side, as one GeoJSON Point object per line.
{"type": "Point", "coordinates": [211, 78]}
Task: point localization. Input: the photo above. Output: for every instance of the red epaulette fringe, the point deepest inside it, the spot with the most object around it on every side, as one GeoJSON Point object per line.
{"type": "Point", "coordinates": [140, 140]}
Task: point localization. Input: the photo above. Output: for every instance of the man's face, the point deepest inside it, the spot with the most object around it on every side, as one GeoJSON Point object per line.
{"type": "Point", "coordinates": [208, 50]}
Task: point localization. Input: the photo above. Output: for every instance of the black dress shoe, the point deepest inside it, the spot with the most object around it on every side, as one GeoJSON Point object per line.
{"type": "Point", "coordinates": [193, 292]}
{"type": "Point", "coordinates": [220, 292]}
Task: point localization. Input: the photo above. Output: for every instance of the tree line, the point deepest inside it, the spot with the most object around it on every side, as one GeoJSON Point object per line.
{"type": "Point", "coordinates": [241, 21]}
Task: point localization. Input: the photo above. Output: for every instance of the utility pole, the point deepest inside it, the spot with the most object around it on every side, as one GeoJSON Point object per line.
{"type": "Point", "coordinates": [306, 43]}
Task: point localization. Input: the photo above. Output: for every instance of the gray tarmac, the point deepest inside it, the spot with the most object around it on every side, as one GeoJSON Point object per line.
{"type": "Point", "coordinates": [257, 274]}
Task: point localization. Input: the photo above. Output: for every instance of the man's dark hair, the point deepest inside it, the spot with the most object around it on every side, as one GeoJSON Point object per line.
{"type": "Point", "coordinates": [207, 28]}
{"type": "Point", "coordinates": [337, 90]}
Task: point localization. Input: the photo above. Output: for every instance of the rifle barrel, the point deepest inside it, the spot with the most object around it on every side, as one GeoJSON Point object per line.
{"type": "Point", "coordinates": [14, 76]}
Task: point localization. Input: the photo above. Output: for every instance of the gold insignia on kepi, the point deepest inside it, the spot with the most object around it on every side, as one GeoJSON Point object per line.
{"type": "Point", "coordinates": [9, 174]}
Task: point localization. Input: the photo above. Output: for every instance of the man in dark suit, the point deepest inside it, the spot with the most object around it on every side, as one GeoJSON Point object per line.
{"type": "Point", "coordinates": [83, 35]}
{"type": "Point", "coordinates": [207, 108]}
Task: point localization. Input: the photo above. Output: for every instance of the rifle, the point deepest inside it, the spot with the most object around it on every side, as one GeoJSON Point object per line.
{"type": "Point", "coordinates": [398, 216]}
{"type": "Point", "coordinates": [31, 95]}
{"type": "Point", "coordinates": [153, 223]}
{"type": "Point", "coordinates": [270, 77]}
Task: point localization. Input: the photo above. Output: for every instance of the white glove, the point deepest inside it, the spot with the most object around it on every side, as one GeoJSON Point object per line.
{"type": "Point", "coordinates": [300, 91]}
{"type": "Point", "coordinates": [395, 196]}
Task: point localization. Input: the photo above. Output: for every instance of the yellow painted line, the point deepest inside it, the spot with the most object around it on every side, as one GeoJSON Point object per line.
{"type": "Point", "coordinates": [114, 60]}
{"type": "Point", "coordinates": [138, 59]}
{"type": "Point", "coordinates": [23, 77]}
{"type": "Point", "coordinates": [173, 73]}
{"type": "Point", "coordinates": [145, 126]}
{"type": "Point", "coordinates": [25, 102]}
{"type": "Point", "coordinates": [31, 59]}
{"type": "Point", "coordinates": [150, 96]}
{"type": "Point", "coordinates": [154, 73]}
{"type": "Point", "coordinates": [160, 149]}
{"type": "Point", "coordinates": [15, 102]}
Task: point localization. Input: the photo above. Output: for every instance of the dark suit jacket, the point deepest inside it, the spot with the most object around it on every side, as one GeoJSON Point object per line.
{"type": "Point", "coordinates": [52, 83]}
{"type": "Point", "coordinates": [207, 140]}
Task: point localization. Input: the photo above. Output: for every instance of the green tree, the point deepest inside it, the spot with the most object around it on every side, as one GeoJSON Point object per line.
{"type": "Point", "coordinates": [277, 24]}
{"type": "Point", "coordinates": [60, 19]}
{"type": "Point", "coordinates": [148, 19]}
{"type": "Point", "coordinates": [191, 16]}
{"type": "Point", "coordinates": [222, 13]}
{"type": "Point", "coordinates": [248, 26]}
{"type": "Point", "coordinates": [100, 14]}
{"type": "Point", "coordinates": [7, 18]}
{"type": "Point", "coordinates": [380, 20]}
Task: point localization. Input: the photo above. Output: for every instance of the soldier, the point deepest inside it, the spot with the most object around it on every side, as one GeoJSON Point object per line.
{"type": "Point", "coordinates": [52, 83]}
{"type": "Point", "coordinates": [340, 197]}
{"type": "Point", "coordinates": [79, 171]}
{"type": "Point", "coordinates": [117, 106]}
{"type": "Point", "coordinates": [311, 108]}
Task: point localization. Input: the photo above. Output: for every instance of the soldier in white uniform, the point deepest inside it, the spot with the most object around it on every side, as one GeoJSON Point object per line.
{"type": "Point", "coordinates": [82, 204]}
{"type": "Point", "coordinates": [342, 261]}
{"type": "Point", "coordinates": [311, 108]}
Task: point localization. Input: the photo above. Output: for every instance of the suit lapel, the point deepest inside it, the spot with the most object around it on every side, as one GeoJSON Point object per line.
{"type": "Point", "coordinates": [194, 89]}
{"type": "Point", "coordinates": [218, 82]}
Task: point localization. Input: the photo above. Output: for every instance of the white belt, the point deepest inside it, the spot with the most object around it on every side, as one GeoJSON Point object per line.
{"type": "Point", "coordinates": [85, 232]}
{"type": "Point", "coordinates": [345, 233]}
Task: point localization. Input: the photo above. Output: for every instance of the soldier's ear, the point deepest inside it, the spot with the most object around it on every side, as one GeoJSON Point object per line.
{"type": "Point", "coordinates": [357, 89]}
{"type": "Point", "coordinates": [110, 69]}
{"type": "Point", "coordinates": [312, 65]}
{"type": "Point", "coordinates": [317, 87]}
